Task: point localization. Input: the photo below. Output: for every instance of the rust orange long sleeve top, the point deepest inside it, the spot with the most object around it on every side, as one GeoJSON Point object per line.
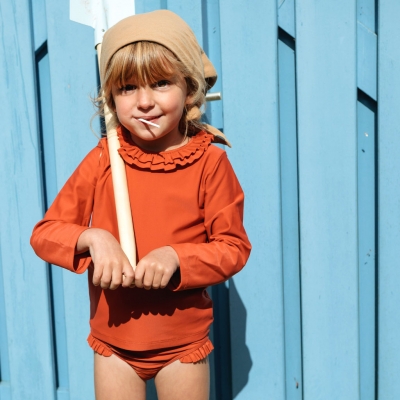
{"type": "Point", "coordinates": [188, 198]}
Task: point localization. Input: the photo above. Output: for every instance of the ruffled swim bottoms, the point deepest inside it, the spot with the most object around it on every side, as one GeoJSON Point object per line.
{"type": "Point", "coordinates": [148, 363]}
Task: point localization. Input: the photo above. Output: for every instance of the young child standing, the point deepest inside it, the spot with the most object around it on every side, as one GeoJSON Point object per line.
{"type": "Point", "coordinates": [187, 210]}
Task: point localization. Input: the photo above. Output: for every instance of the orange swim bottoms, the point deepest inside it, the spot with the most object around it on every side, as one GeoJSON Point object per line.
{"type": "Point", "coordinates": [148, 363]}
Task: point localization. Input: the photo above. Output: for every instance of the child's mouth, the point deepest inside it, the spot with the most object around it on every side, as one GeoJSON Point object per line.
{"type": "Point", "coordinates": [148, 121]}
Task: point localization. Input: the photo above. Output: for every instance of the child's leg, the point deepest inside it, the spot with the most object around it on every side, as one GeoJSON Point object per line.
{"type": "Point", "coordinates": [183, 381]}
{"type": "Point", "coordinates": [114, 379]}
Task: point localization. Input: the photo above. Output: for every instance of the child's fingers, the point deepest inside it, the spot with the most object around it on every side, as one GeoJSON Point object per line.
{"type": "Point", "coordinates": [156, 269]}
{"type": "Point", "coordinates": [102, 277]}
{"type": "Point", "coordinates": [97, 274]}
{"type": "Point", "coordinates": [139, 274]}
{"type": "Point", "coordinates": [148, 277]}
{"type": "Point", "coordinates": [144, 274]}
{"type": "Point", "coordinates": [108, 276]}
{"type": "Point", "coordinates": [158, 276]}
{"type": "Point", "coordinates": [116, 279]}
{"type": "Point", "coordinates": [165, 280]}
{"type": "Point", "coordinates": [110, 262]}
{"type": "Point", "coordinates": [128, 276]}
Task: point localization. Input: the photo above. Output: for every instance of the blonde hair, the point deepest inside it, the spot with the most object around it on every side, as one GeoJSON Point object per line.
{"type": "Point", "coordinates": [148, 62]}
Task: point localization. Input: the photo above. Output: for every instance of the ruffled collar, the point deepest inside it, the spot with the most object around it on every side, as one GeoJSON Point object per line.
{"type": "Point", "coordinates": [164, 160]}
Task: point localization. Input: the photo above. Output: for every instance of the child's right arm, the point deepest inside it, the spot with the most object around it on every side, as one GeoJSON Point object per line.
{"type": "Point", "coordinates": [64, 238]}
{"type": "Point", "coordinates": [54, 238]}
{"type": "Point", "coordinates": [111, 266]}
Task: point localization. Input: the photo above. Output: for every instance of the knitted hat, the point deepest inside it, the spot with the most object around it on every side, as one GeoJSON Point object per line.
{"type": "Point", "coordinates": [168, 29]}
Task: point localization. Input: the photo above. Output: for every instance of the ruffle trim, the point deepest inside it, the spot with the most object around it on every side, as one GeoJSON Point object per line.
{"type": "Point", "coordinates": [99, 347]}
{"type": "Point", "coordinates": [199, 354]}
{"type": "Point", "coordinates": [164, 160]}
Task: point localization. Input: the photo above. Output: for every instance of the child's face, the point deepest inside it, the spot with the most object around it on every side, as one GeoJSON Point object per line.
{"type": "Point", "coordinates": [161, 102]}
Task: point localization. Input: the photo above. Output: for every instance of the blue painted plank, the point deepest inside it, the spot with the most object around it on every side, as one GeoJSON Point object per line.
{"type": "Point", "coordinates": [249, 70]}
{"type": "Point", "coordinates": [39, 25]}
{"type": "Point", "coordinates": [142, 6]}
{"type": "Point", "coordinates": [326, 82]}
{"type": "Point", "coordinates": [290, 215]}
{"type": "Point", "coordinates": [191, 12]}
{"type": "Point", "coordinates": [286, 16]}
{"type": "Point", "coordinates": [221, 377]}
{"type": "Point", "coordinates": [367, 47]}
{"type": "Point", "coordinates": [4, 359]}
{"type": "Point", "coordinates": [5, 391]}
{"type": "Point", "coordinates": [46, 127]}
{"type": "Point", "coordinates": [212, 47]}
{"type": "Point", "coordinates": [62, 394]}
{"type": "Point", "coordinates": [59, 329]}
{"type": "Point", "coordinates": [50, 191]}
{"type": "Point", "coordinates": [367, 52]}
{"type": "Point", "coordinates": [366, 116]}
{"type": "Point", "coordinates": [367, 13]}
{"type": "Point", "coordinates": [73, 71]}
{"type": "Point", "coordinates": [389, 200]}
{"type": "Point", "coordinates": [25, 276]}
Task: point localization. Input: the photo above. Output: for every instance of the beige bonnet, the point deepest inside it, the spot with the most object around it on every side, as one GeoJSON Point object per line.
{"type": "Point", "coordinates": [171, 31]}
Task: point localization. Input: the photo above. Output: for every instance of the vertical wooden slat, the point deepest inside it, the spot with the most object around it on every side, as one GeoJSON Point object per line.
{"type": "Point", "coordinates": [39, 23]}
{"type": "Point", "coordinates": [191, 12]}
{"type": "Point", "coordinates": [24, 275]}
{"type": "Point", "coordinates": [366, 115]}
{"type": "Point", "coordinates": [220, 358]}
{"type": "Point", "coordinates": [142, 6]}
{"type": "Point", "coordinates": [326, 81]}
{"type": "Point", "coordinates": [50, 191]}
{"type": "Point", "coordinates": [389, 200]}
{"type": "Point", "coordinates": [5, 389]}
{"type": "Point", "coordinates": [290, 215]}
{"type": "Point", "coordinates": [367, 43]}
{"type": "Point", "coordinates": [367, 154]}
{"type": "Point", "coordinates": [367, 13]}
{"type": "Point", "coordinates": [212, 47]}
{"type": "Point", "coordinates": [249, 83]}
{"type": "Point", "coordinates": [286, 16]}
{"type": "Point", "coordinates": [73, 66]}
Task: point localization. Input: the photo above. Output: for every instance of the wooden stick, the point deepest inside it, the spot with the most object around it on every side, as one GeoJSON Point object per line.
{"type": "Point", "coordinates": [120, 185]}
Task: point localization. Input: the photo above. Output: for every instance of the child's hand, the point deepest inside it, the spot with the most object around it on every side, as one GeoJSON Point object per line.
{"type": "Point", "coordinates": [156, 269]}
{"type": "Point", "coordinates": [111, 266]}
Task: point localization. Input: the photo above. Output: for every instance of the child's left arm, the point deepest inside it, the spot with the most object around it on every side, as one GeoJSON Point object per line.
{"type": "Point", "coordinates": [228, 247]}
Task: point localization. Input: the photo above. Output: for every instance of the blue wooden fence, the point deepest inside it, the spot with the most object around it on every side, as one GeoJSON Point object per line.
{"type": "Point", "coordinates": [311, 91]}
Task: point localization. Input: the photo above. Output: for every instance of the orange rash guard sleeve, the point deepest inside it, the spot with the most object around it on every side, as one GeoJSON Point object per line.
{"type": "Point", "coordinates": [54, 238]}
{"type": "Point", "coordinates": [228, 247]}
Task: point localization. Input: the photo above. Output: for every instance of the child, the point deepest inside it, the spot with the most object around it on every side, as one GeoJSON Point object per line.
{"type": "Point", "coordinates": [187, 209]}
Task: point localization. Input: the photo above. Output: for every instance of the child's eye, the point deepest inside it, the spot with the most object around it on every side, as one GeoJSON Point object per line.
{"type": "Point", "coordinates": [127, 89]}
{"type": "Point", "coordinates": [161, 84]}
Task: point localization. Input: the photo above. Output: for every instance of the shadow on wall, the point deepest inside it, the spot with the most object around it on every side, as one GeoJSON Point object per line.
{"type": "Point", "coordinates": [241, 359]}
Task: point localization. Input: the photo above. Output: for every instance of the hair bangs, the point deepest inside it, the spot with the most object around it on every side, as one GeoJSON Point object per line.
{"type": "Point", "coordinates": [141, 63]}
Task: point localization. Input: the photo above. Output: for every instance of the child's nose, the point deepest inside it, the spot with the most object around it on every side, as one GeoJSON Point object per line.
{"type": "Point", "coordinates": [145, 98]}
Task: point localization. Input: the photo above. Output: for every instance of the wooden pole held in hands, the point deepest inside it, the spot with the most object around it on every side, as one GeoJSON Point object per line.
{"type": "Point", "coordinates": [120, 185]}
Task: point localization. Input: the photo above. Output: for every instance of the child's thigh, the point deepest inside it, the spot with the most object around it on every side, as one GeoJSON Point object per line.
{"type": "Point", "coordinates": [114, 379]}
{"type": "Point", "coordinates": [182, 381]}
